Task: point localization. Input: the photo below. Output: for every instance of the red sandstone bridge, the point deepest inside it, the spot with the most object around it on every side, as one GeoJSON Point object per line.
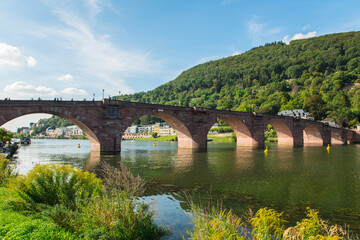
{"type": "Point", "coordinates": [104, 122]}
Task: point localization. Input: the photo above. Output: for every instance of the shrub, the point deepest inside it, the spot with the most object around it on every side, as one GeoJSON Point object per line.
{"type": "Point", "coordinates": [313, 227]}
{"type": "Point", "coordinates": [154, 135]}
{"type": "Point", "coordinates": [121, 179]}
{"type": "Point", "coordinates": [215, 224]}
{"type": "Point", "coordinates": [54, 184]}
{"type": "Point", "coordinates": [267, 223]}
{"type": "Point", "coordinates": [116, 216]}
{"type": "Point", "coordinates": [7, 172]}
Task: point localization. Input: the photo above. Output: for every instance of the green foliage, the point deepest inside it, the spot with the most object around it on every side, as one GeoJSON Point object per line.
{"type": "Point", "coordinates": [267, 223]}
{"type": "Point", "coordinates": [222, 129]}
{"type": "Point", "coordinates": [314, 228]}
{"type": "Point", "coordinates": [306, 74]}
{"type": "Point", "coordinates": [270, 132]}
{"type": "Point", "coordinates": [78, 203]}
{"type": "Point", "coordinates": [154, 135]}
{"type": "Point", "coordinates": [16, 225]}
{"type": "Point", "coordinates": [116, 216]}
{"type": "Point", "coordinates": [5, 135]}
{"type": "Point", "coordinates": [54, 184]}
{"type": "Point", "coordinates": [7, 172]}
{"type": "Point", "coordinates": [214, 224]}
{"type": "Point", "coordinates": [233, 136]}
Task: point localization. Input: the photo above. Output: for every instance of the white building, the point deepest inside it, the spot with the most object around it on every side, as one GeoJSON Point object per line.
{"type": "Point", "coordinates": [73, 131]}
{"type": "Point", "coordinates": [297, 113]}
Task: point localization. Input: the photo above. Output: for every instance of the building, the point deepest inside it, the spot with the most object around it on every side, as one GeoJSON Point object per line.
{"type": "Point", "coordinates": [297, 113]}
{"type": "Point", "coordinates": [329, 122]}
{"type": "Point", "coordinates": [73, 131]}
{"type": "Point", "coordinates": [25, 130]}
{"type": "Point", "coordinates": [166, 130]}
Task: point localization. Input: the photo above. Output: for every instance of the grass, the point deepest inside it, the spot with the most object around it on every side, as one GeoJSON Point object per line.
{"type": "Point", "coordinates": [59, 202]}
{"type": "Point", "coordinates": [21, 225]}
{"type": "Point", "coordinates": [162, 138]}
{"type": "Point", "coordinates": [227, 139]}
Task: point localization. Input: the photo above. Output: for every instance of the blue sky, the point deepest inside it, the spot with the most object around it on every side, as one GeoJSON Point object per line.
{"type": "Point", "coordinates": [73, 49]}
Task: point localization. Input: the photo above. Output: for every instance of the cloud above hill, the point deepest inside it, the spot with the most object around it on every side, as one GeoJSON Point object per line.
{"type": "Point", "coordinates": [297, 36]}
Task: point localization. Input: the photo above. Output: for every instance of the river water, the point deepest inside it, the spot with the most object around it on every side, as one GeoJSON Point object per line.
{"type": "Point", "coordinates": [286, 179]}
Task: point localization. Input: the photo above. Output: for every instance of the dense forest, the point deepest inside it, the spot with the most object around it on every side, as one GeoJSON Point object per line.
{"type": "Point", "coordinates": [320, 75]}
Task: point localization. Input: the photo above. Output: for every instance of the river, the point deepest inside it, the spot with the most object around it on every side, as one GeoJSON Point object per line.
{"type": "Point", "coordinates": [286, 179]}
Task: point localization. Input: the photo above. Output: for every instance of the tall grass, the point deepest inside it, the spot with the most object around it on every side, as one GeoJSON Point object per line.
{"type": "Point", "coordinates": [121, 179]}
{"type": "Point", "coordinates": [266, 224]}
{"type": "Point", "coordinates": [214, 224]}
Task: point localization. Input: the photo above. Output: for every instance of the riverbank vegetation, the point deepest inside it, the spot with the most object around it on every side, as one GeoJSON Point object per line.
{"type": "Point", "coordinates": [60, 202]}
{"type": "Point", "coordinates": [320, 75]}
{"type": "Point", "coordinates": [265, 224]}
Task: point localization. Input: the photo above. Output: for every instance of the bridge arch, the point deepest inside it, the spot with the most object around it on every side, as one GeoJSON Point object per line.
{"type": "Point", "coordinates": [338, 137]}
{"type": "Point", "coordinates": [283, 131]}
{"type": "Point", "coordinates": [312, 135]}
{"type": "Point", "coordinates": [94, 141]}
{"type": "Point", "coordinates": [184, 137]}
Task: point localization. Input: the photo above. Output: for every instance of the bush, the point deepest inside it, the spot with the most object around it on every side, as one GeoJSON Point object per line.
{"type": "Point", "coordinates": [54, 184]}
{"type": "Point", "coordinates": [215, 224]}
{"type": "Point", "coordinates": [313, 227]}
{"type": "Point", "coordinates": [7, 172]}
{"type": "Point", "coordinates": [121, 179]}
{"type": "Point", "coordinates": [116, 216]}
{"type": "Point", "coordinates": [80, 203]}
{"type": "Point", "coordinates": [154, 135]}
{"type": "Point", "coordinates": [267, 223]}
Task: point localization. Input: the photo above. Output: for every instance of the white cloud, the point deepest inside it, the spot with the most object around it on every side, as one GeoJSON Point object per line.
{"type": "Point", "coordinates": [66, 77]}
{"type": "Point", "coordinates": [297, 36]}
{"type": "Point", "coordinates": [74, 91]}
{"type": "Point", "coordinates": [96, 54]}
{"type": "Point", "coordinates": [258, 32]}
{"type": "Point", "coordinates": [236, 53]}
{"type": "Point", "coordinates": [11, 56]}
{"type": "Point", "coordinates": [25, 89]}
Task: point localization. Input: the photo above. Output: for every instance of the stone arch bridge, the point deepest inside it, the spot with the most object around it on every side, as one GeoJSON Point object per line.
{"type": "Point", "coordinates": [104, 123]}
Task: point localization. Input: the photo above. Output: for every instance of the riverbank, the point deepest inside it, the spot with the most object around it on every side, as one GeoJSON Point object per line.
{"type": "Point", "coordinates": [219, 138]}
{"type": "Point", "coordinates": [56, 201]}
{"type": "Point", "coordinates": [216, 138]}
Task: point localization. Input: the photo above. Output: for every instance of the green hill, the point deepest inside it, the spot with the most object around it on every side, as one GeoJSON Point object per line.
{"type": "Point", "coordinates": [321, 75]}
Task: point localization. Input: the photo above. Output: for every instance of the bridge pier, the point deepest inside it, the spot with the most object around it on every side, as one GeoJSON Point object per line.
{"type": "Point", "coordinates": [298, 136]}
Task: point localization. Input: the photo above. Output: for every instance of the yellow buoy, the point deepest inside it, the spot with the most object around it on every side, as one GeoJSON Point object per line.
{"type": "Point", "coordinates": [78, 145]}
{"type": "Point", "coordinates": [328, 148]}
{"type": "Point", "coordinates": [266, 150]}
{"type": "Point", "coordinates": [154, 144]}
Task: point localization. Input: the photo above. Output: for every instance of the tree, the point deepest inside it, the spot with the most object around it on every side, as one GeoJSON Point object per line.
{"type": "Point", "coordinates": [316, 106]}
{"type": "Point", "coordinates": [154, 135]}
{"type": "Point", "coordinates": [5, 135]}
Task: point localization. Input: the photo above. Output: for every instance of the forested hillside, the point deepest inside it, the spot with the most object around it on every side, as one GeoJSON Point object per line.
{"type": "Point", "coordinates": [321, 75]}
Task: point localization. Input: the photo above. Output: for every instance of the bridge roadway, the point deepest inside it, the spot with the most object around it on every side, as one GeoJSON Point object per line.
{"type": "Point", "coordinates": [104, 122]}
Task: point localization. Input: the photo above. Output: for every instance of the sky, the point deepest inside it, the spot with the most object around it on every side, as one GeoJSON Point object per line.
{"type": "Point", "coordinates": [75, 49]}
